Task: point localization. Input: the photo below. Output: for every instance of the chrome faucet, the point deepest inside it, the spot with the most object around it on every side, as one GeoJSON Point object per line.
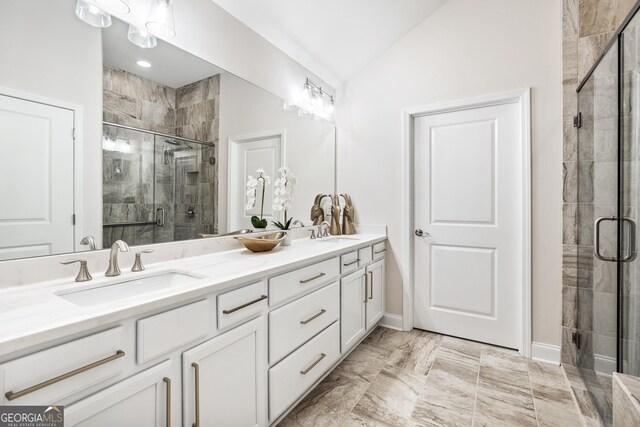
{"type": "Point", "coordinates": [113, 269]}
{"type": "Point", "coordinates": [89, 240]}
{"type": "Point", "coordinates": [323, 229]}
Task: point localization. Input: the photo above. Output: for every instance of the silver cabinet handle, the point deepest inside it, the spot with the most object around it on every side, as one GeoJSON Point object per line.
{"type": "Point", "coordinates": [167, 381]}
{"type": "Point", "coordinates": [197, 394]}
{"type": "Point", "coordinates": [380, 251]}
{"type": "Point", "coordinates": [313, 365]}
{"type": "Point", "coordinates": [596, 243]}
{"type": "Point", "coordinates": [311, 279]}
{"type": "Point", "coordinates": [366, 287]}
{"type": "Point", "coordinates": [247, 304]}
{"type": "Point", "coordinates": [10, 395]}
{"type": "Point", "coordinates": [315, 316]}
{"type": "Point", "coordinates": [632, 240]}
{"type": "Point", "coordinates": [347, 264]}
{"type": "Point", "coordinates": [371, 284]}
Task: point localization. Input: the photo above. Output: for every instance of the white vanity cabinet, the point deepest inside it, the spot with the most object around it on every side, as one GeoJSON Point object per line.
{"type": "Point", "coordinates": [375, 293]}
{"type": "Point", "coordinates": [352, 309]}
{"type": "Point", "coordinates": [144, 400]}
{"type": "Point", "coordinates": [224, 379]}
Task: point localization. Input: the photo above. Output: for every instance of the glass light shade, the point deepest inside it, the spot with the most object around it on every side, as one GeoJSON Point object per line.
{"type": "Point", "coordinates": [141, 37]}
{"type": "Point", "coordinates": [160, 20]}
{"type": "Point", "coordinates": [92, 14]}
{"type": "Point", "coordinates": [114, 6]}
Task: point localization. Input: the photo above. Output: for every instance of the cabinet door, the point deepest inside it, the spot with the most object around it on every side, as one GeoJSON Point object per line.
{"type": "Point", "coordinates": [352, 309]}
{"type": "Point", "coordinates": [225, 380]}
{"type": "Point", "coordinates": [375, 293]}
{"type": "Point", "coordinates": [143, 400]}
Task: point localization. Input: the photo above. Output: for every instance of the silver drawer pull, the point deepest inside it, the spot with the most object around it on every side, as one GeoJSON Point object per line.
{"type": "Point", "coordinates": [313, 365]}
{"type": "Point", "coordinates": [311, 279]}
{"type": "Point", "coordinates": [315, 316]}
{"type": "Point", "coordinates": [11, 395]}
{"type": "Point", "coordinates": [240, 307]}
{"type": "Point", "coordinates": [347, 264]}
{"type": "Point", "coordinates": [380, 251]}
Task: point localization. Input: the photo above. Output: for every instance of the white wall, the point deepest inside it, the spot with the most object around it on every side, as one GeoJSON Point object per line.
{"type": "Point", "coordinates": [45, 50]}
{"type": "Point", "coordinates": [467, 48]}
{"type": "Point", "coordinates": [310, 144]}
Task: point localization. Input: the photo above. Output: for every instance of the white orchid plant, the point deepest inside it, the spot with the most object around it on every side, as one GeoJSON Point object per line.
{"type": "Point", "coordinates": [252, 192]}
{"type": "Point", "coordinates": [283, 195]}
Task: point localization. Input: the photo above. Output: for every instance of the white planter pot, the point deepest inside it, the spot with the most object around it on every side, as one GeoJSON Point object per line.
{"type": "Point", "coordinates": [287, 240]}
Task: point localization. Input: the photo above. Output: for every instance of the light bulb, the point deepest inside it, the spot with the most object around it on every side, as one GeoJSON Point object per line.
{"type": "Point", "coordinates": [141, 37]}
{"type": "Point", "coordinates": [90, 13]}
{"type": "Point", "coordinates": [160, 20]}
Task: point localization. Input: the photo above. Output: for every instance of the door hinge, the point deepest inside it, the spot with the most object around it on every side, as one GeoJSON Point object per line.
{"type": "Point", "coordinates": [73, 219]}
{"type": "Point", "coordinates": [73, 133]}
{"type": "Point", "coordinates": [575, 339]}
{"type": "Point", "coordinates": [577, 121]}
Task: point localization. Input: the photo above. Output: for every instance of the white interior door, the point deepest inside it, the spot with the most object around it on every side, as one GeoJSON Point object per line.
{"type": "Point", "coordinates": [468, 244]}
{"type": "Point", "coordinates": [246, 155]}
{"type": "Point", "coordinates": [36, 176]}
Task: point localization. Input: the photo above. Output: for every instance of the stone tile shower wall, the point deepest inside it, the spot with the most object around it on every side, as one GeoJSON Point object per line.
{"type": "Point", "coordinates": [197, 117]}
{"type": "Point", "coordinates": [588, 25]}
{"type": "Point", "coordinates": [181, 176]}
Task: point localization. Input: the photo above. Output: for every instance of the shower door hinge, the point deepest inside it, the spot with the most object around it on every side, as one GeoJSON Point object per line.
{"type": "Point", "coordinates": [575, 339]}
{"type": "Point", "coordinates": [73, 219]}
{"type": "Point", "coordinates": [577, 121]}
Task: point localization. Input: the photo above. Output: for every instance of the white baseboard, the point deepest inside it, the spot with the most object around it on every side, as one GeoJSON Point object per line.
{"type": "Point", "coordinates": [604, 365]}
{"type": "Point", "coordinates": [391, 321]}
{"type": "Point", "coordinates": [547, 353]}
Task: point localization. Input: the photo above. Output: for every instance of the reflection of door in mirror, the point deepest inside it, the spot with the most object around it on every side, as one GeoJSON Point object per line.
{"type": "Point", "coordinates": [248, 153]}
{"type": "Point", "coordinates": [36, 171]}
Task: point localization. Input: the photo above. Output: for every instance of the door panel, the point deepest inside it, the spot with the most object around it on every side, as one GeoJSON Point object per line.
{"type": "Point", "coordinates": [375, 293]}
{"type": "Point", "coordinates": [469, 204]}
{"type": "Point", "coordinates": [37, 220]}
{"type": "Point", "coordinates": [352, 309]}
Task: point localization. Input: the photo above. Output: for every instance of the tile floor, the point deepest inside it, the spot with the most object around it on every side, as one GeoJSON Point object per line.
{"type": "Point", "coordinates": [423, 379]}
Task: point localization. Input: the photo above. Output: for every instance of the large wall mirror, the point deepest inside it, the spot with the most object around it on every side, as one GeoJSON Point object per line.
{"type": "Point", "coordinates": [104, 140]}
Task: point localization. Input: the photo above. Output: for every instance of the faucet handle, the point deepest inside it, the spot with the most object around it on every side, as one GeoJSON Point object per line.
{"type": "Point", "coordinates": [137, 264]}
{"type": "Point", "coordinates": [83, 274]}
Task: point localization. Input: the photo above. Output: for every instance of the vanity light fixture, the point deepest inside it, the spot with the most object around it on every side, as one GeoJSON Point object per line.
{"type": "Point", "coordinates": [90, 13]}
{"type": "Point", "coordinates": [141, 37]}
{"type": "Point", "coordinates": [144, 64]}
{"type": "Point", "coordinates": [160, 19]}
{"type": "Point", "coordinates": [313, 102]}
{"type": "Point", "coordinates": [114, 6]}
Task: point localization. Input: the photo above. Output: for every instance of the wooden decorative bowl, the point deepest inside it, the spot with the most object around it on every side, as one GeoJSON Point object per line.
{"type": "Point", "coordinates": [263, 242]}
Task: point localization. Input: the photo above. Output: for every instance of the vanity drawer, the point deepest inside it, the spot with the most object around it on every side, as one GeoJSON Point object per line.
{"type": "Point", "coordinates": [292, 325]}
{"type": "Point", "coordinates": [59, 372]}
{"type": "Point", "coordinates": [349, 262]}
{"type": "Point", "coordinates": [172, 329]}
{"type": "Point", "coordinates": [378, 250]}
{"type": "Point", "coordinates": [295, 374]}
{"type": "Point", "coordinates": [241, 304]}
{"type": "Point", "coordinates": [365, 255]}
{"type": "Point", "coordinates": [288, 285]}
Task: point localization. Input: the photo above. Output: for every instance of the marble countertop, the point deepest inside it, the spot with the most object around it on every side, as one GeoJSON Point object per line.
{"type": "Point", "coordinates": [34, 314]}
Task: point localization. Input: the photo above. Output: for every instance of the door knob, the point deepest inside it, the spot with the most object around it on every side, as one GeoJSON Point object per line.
{"type": "Point", "coordinates": [421, 233]}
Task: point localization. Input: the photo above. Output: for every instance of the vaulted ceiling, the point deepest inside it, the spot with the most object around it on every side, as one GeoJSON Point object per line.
{"type": "Point", "coordinates": [332, 38]}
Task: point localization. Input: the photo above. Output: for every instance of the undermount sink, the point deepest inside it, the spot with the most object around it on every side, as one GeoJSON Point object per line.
{"type": "Point", "coordinates": [339, 239]}
{"type": "Point", "coordinates": [125, 288]}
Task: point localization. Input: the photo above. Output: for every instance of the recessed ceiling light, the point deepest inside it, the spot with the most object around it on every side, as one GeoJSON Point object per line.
{"type": "Point", "coordinates": [143, 64]}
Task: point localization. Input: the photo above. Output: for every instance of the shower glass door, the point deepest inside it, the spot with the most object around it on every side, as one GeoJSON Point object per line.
{"type": "Point", "coordinates": [596, 271]}
{"type": "Point", "coordinates": [629, 306]}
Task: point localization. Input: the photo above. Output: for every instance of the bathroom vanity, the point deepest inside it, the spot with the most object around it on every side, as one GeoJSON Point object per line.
{"type": "Point", "coordinates": [228, 339]}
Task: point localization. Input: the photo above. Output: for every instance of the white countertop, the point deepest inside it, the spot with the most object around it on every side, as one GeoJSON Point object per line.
{"type": "Point", "coordinates": [33, 314]}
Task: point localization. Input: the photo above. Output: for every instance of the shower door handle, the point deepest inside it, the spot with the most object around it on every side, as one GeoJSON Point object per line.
{"type": "Point", "coordinates": [160, 217]}
{"type": "Point", "coordinates": [596, 244]}
{"type": "Point", "coordinates": [632, 240]}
